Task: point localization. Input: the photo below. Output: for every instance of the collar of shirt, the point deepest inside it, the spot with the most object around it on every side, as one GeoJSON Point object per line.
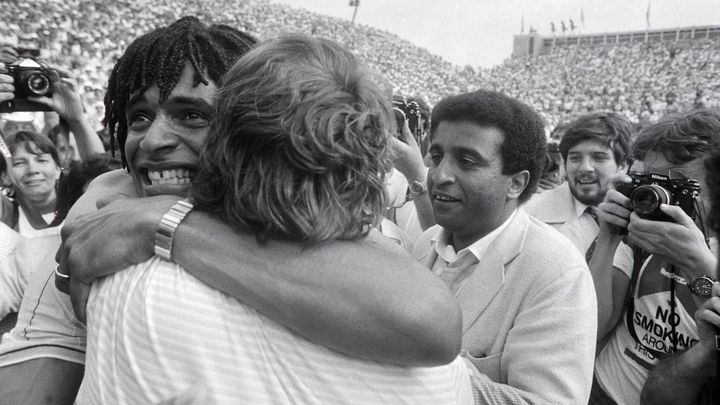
{"type": "Point", "coordinates": [475, 251]}
{"type": "Point", "coordinates": [579, 208]}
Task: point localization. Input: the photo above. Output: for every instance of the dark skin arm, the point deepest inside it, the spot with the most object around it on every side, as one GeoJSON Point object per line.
{"type": "Point", "coordinates": [679, 379]}
{"type": "Point", "coordinates": [366, 298]}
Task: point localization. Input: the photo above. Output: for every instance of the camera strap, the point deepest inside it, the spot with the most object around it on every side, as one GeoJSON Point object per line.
{"type": "Point", "coordinates": [639, 258]}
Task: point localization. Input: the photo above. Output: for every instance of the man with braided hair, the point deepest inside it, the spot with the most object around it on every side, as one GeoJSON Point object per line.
{"type": "Point", "coordinates": [297, 150]}
{"type": "Point", "coordinates": [166, 81]}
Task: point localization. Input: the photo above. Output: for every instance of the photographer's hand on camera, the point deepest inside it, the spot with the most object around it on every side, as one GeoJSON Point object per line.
{"type": "Point", "coordinates": [7, 89]}
{"type": "Point", "coordinates": [408, 159]}
{"type": "Point", "coordinates": [614, 213]}
{"type": "Point", "coordinates": [611, 284]}
{"type": "Point", "coordinates": [680, 243]}
{"type": "Point", "coordinates": [66, 102]}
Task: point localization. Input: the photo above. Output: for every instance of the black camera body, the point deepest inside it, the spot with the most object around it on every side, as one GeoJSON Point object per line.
{"type": "Point", "coordinates": [409, 111]}
{"type": "Point", "coordinates": [553, 159]}
{"type": "Point", "coordinates": [29, 80]}
{"type": "Point", "coordinates": [648, 190]}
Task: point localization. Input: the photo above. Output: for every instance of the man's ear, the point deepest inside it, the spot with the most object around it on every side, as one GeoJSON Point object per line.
{"type": "Point", "coordinates": [517, 184]}
{"type": "Point", "coordinates": [5, 179]}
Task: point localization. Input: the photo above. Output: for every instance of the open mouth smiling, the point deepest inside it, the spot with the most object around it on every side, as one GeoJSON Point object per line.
{"type": "Point", "coordinates": [177, 176]}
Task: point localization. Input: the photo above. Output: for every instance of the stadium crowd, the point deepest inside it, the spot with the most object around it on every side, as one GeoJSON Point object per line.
{"type": "Point", "coordinates": [274, 231]}
{"type": "Point", "coordinates": [88, 35]}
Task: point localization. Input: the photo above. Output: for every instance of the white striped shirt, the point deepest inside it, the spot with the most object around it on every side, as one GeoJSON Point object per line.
{"type": "Point", "coordinates": [156, 333]}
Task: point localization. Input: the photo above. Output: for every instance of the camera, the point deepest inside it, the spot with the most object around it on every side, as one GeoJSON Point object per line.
{"type": "Point", "coordinates": [407, 110]}
{"type": "Point", "coordinates": [551, 169]}
{"type": "Point", "coordinates": [648, 190]}
{"type": "Point", "coordinates": [29, 79]}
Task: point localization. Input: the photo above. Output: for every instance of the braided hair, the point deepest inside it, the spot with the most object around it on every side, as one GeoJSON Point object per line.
{"type": "Point", "coordinates": [159, 58]}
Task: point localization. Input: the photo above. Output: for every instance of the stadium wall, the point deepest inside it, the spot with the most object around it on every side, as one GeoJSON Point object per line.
{"type": "Point", "coordinates": [535, 44]}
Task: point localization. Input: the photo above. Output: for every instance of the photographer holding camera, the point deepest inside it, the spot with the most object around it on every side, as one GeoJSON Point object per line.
{"type": "Point", "coordinates": [693, 376]}
{"type": "Point", "coordinates": [28, 85]}
{"type": "Point", "coordinates": [649, 288]}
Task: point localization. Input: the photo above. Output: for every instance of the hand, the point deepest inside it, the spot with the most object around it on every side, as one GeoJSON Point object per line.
{"type": "Point", "coordinates": [707, 318]}
{"type": "Point", "coordinates": [65, 100]}
{"type": "Point", "coordinates": [407, 156]}
{"type": "Point", "coordinates": [614, 212]}
{"type": "Point", "coordinates": [8, 54]}
{"type": "Point", "coordinates": [546, 184]}
{"type": "Point", "coordinates": [7, 89]}
{"type": "Point", "coordinates": [118, 235]}
{"type": "Point", "coordinates": [680, 242]}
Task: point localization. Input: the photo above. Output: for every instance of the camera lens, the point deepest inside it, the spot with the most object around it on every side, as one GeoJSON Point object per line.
{"type": "Point", "coordinates": [36, 83]}
{"type": "Point", "coordinates": [646, 199]}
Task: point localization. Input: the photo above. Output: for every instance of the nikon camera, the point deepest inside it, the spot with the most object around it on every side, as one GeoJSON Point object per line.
{"type": "Point", "coordinates": [29, 79]}
{"type": "Point", "coordinates": [648, 190]}
{"type": "Point", "coordinates": [407, 110]}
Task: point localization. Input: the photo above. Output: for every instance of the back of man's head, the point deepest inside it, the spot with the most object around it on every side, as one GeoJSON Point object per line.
{"type": "Point", "coordinates": [681, 138]}
{"type": "Point", "coordinates": [607, 128]}
{"type": "Point", "coordinates": [159, 58]}
{"type": "Point", "coordinates": [298, 148]}
{"type": "Point", "coordinates": [524, 145]}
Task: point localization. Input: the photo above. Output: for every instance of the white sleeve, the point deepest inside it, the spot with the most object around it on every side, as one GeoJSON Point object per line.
{"type": "Point", "coordinates": [12, 285]}
{"type": "Point", "coordinates": [624, 259]}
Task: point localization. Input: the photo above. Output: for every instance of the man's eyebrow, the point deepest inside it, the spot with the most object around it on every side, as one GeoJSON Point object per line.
{"type": "Point", "coordinates": [460, 150]}
{"type": "Point", "coordinates": [136, 98]}
{"type": "Point", "coordinates": [186, 100]}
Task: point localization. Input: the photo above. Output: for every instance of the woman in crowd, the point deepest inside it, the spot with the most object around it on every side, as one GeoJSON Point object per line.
{"type": "Point", "coordinates": [32, 174]}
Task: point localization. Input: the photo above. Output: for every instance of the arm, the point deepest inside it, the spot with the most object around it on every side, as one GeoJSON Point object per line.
{"type": "Point", "coordinates": [611, 284]}
{"type": "Point", "coordinates": [680, 243]}
{"type": "Point", "coordinates": [679, 379]}
{"type": "Point", "coordinates": [66, 102]}
{"type": "Point", "coordinates": [12, 286]}
{"type": "Point", "coordinates": [366, 298]}
{"type": "Point", "coordinates": [409, 161]}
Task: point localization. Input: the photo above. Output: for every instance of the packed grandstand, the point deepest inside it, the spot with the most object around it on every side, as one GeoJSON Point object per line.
{"type": "Point", "coordinates": [641, 80]}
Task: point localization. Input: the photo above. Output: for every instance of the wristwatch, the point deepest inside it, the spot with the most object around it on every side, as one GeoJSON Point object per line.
{"type": "Point", "coordinates": [701, 286]}
{"type": "Point", "coordinates": [416, 188]}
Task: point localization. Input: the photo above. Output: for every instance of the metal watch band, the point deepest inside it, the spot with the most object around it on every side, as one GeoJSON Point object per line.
{"type": "Point", "coordinates": [167, 226]}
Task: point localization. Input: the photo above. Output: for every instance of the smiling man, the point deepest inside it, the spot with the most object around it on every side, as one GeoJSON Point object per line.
{"type": "Point", "coordinates": [525, 292]}
{"type": "Point", "coordinates": [159, 110]}
{"type": "Point", "coordinates": [595, 148]}
{"type": "Point", "coordinates": [297, 150]}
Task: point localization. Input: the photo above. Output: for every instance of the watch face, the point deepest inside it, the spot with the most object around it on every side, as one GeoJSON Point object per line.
{"type": "Point", "coordinates": [417, 187]}
{"type": "Point", "coordinates": [701, 286]}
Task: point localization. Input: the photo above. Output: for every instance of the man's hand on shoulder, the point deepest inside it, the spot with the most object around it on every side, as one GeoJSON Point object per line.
{"type": "Point", "coordinates": [122, 228]}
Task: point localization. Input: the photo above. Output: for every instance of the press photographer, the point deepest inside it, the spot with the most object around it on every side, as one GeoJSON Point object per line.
{"type": "Point", "coordinates": [29, 79]}
{"type": "Point", "coordinates": [650, 285]}
{"type": "Point", "coordinates": [551, 176]}
{"type": "Point", "coordinates": [27, 84]}
{"type": "Point", "coordinates": [417, 114]}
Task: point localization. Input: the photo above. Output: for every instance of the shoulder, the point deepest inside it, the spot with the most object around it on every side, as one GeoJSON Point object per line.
{"type": "Point", "coordinates": [106, 185]}
{"type": "Point", "coordinates": [547, 196]}
{"type": "Point", "coordinates": [556, 205]}
{"type": "Point", "coordinates": [548, 254]}
{"type": "Point", "coordinates": [113, 182]}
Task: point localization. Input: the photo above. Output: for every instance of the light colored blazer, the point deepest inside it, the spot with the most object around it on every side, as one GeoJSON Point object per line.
{"type": "Point", "coordinates": [556, 208]}
{"type": "Point", "coordinates": [529, 316]}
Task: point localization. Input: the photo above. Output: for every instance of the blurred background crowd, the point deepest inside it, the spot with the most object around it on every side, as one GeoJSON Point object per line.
{"type": "Point", "coordinates": [641, 81]}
